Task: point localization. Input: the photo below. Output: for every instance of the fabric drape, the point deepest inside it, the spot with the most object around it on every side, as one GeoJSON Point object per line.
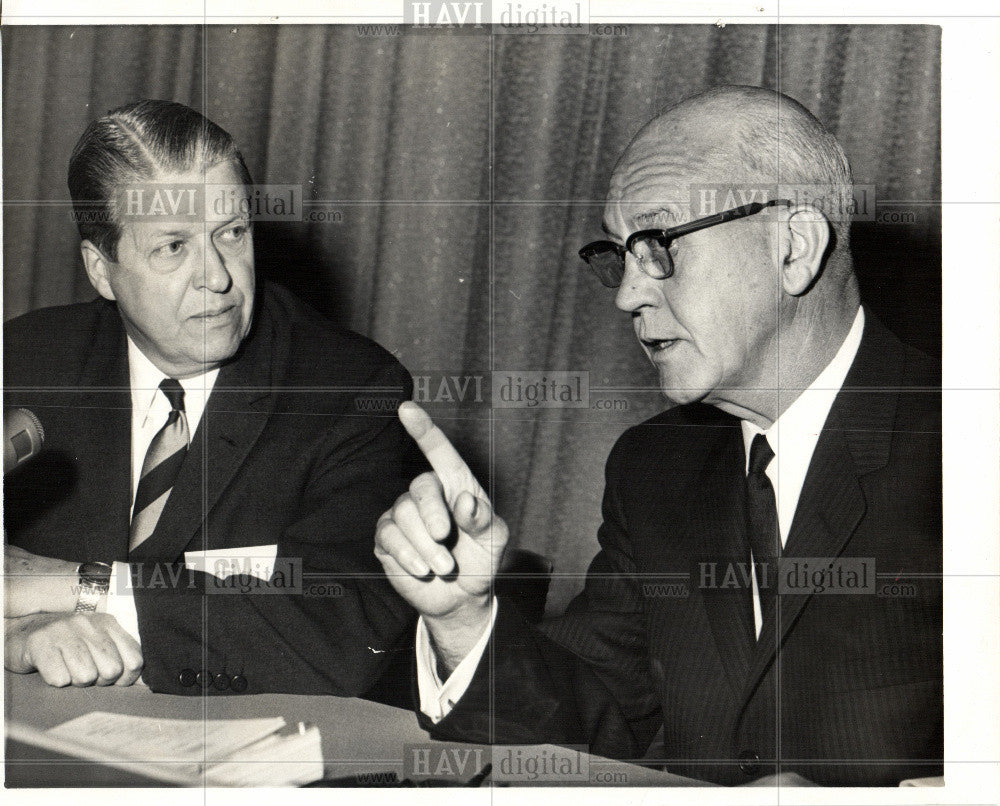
{"type": "Point", "coordinates": [457, 174]}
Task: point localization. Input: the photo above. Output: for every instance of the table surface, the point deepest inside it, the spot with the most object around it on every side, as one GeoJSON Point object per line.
{"type": "Point", "coordinates": [361, 740]}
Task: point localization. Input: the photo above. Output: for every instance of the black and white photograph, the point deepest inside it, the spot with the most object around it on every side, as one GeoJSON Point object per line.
{"type": "Point", "coordinates": [528, 397]}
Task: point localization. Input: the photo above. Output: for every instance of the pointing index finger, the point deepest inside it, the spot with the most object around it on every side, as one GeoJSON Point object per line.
{"type": "Point", "coordinates": [451, 469]}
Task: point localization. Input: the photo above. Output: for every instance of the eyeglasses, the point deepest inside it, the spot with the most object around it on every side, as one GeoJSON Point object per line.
{"type": "Point", "coordinates": [651, 247]}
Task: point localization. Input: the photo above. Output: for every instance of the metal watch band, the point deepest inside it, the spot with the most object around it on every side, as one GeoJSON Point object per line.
{"type": "Point", "coordinates": [94, 581]}
{"type": "Point", "coordinates": [88, 599]}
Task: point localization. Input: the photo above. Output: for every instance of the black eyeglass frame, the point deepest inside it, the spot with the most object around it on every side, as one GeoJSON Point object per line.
{"type": "Point", "coordinates": [666, 236]}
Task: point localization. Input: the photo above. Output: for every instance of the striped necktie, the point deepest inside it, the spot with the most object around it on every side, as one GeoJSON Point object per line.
{"type": "Point", "coordinates": [762, 523]}
{"type": "Point", "coordinates": [160, 467]}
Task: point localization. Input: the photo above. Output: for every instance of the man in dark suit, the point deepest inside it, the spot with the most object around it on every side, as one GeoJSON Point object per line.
{"type": "Point", "coordinates": [201, 512]}
{"type": "Point", "coordinates": [767, 595]}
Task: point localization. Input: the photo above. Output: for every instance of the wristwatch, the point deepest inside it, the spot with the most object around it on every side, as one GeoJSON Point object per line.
{"type": "Point", "coordinates": [95, 579]}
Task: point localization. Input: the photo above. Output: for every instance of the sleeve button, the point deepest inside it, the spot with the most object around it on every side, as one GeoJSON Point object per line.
{"type": "Point", "coordinates": [222, 681]}
{"type": "Point", "coordinates": [187, 678]}
{"type": "Point", "coordinates": [750, 763]}
{"type": "Point", "coordinates": [239, 683]}
{"type": "Point", "coordinates": [204, 678]}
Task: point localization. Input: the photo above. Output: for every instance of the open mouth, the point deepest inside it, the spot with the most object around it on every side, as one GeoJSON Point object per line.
{"type": "Point", "coordinates": [659, 345]}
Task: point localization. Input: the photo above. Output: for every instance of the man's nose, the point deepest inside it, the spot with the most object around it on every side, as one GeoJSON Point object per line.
{"type": "Point", "coordinates": [213, 274]}
{"type": "Point", "coordinates": [637, 289]}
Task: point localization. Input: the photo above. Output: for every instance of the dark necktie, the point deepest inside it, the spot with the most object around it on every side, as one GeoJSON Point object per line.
{"type": "Point", "coordinates": [160, 467]}
{"type": "Point", "coordinates": [762, 524]}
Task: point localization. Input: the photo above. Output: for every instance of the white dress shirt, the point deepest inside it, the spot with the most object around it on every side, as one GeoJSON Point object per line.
{"type": "Point", "coordinates": [793, 437]}
{"type": "Point", "coordinates": [150, 409]}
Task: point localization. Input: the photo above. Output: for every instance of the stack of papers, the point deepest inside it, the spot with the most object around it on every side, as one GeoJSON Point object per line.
{"type": "Point", "coordinates": [209, 752]}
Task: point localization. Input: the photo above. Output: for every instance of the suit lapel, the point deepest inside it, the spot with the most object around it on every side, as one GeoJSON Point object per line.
{"type": "Point", "coordinates": [235, 414]}
{"type": "Point", "coordinates": [102, 410]}
{"type": "Point", "coordinates": [856, 439]}
{"type": "Point", "coordinates": [830, 507]}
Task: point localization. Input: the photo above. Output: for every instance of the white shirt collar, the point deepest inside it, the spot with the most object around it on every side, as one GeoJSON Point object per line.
{"type": "Point", "coordinates": [793, 436]}
{"type": "Point", "coordinates": [145, 378]}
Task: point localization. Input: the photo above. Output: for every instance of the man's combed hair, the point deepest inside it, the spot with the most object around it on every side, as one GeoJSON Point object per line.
{"type": "Point", "coordinates": [138, 143]}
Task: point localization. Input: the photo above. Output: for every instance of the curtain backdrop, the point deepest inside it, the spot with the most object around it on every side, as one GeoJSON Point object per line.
{"type": "Point", "coordinates": [459, 173]}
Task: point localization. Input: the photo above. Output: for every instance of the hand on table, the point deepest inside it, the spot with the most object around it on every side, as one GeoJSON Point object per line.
{"type": "Point", "coordinates": [447, 581]}
{"type": "Point", "coordinates": [82, 649]}
{"type": "Point", "coordinates": [36, 584]}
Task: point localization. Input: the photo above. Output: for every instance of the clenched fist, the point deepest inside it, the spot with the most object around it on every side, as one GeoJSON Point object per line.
{"type": "Point", "coordinates": [82, 649]}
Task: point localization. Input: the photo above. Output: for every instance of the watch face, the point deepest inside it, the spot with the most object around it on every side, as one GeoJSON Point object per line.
{"type": "Point", "coordinates": [95, 573]}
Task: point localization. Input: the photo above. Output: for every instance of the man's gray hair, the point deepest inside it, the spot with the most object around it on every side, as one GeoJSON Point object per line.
{"type": "Point", "coordinates": [785, 144]}
{"type": "Point", "coordinates": [767, 138]}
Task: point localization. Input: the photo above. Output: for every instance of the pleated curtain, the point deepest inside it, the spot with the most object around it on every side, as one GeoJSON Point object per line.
{"type": "Point", "coordinates": [458, 173]}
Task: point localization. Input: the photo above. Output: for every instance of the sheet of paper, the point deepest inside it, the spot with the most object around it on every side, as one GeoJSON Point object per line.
{"type": "Point", "coordinates": [285, 760]}
{"type": "Point", "coordinates": [119, 736]}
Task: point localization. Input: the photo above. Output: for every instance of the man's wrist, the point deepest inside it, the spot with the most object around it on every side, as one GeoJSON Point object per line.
{"type": "Point", "coordinates": [453, 636]}
{"type": "Point", "coordinates": [62, 579]}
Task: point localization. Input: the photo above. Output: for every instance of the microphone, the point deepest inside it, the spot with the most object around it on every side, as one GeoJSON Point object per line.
{"type": "Point", "coordinates": [22, 437]}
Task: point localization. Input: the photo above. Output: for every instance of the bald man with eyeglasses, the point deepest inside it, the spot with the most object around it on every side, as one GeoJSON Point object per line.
{"type": "Point", "coordinates": [801, 458]}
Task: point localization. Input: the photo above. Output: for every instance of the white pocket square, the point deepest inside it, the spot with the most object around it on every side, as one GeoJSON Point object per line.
{"type": "Point", "coordinates": [256, 561]}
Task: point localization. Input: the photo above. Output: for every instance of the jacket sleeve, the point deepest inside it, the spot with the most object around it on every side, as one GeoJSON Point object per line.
{"type": "Point", "coordinates": [583, 678]}
{"type": "Point", "coordinates": [339, 623]}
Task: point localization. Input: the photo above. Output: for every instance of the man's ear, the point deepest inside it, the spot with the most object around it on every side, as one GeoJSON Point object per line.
{"type": "Point", "coordinates": [97, 265]}
{"type": "Point", "coordinates": [808, 234]}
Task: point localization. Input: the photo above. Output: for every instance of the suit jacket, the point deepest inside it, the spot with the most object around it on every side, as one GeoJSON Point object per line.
{"type": "Point", "coordinates": [853, 680]}
{"type": "Point", "coordinates": [298, 447]}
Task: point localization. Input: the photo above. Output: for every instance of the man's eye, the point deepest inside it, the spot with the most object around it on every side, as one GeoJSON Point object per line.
{"type": "Point", "coordinates": [236, 233]}
{"type": "Point", "coordinates": [169, 249]}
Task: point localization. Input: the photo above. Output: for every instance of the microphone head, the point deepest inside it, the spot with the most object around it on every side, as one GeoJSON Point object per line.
{"type": "Point", "coordinates": [23, 435]}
